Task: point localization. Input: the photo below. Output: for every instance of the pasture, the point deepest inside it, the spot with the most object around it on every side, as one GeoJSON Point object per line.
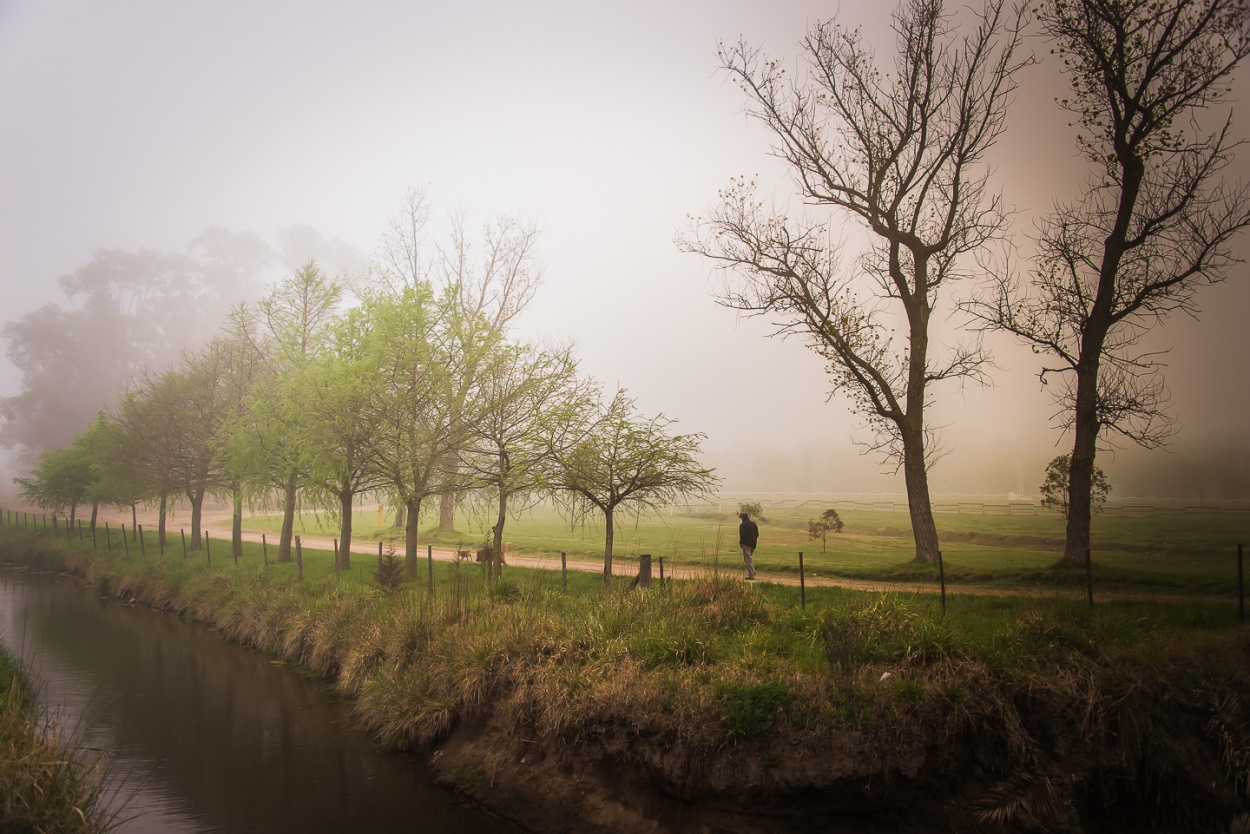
{"type": "Point", "coordinates": [1194, 554]}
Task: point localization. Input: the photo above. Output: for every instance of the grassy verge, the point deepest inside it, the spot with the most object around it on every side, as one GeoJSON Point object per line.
{"type": "Point", "coordinates": [1005, 711]}
{"type": "Point", "coordinates": [42, 787]}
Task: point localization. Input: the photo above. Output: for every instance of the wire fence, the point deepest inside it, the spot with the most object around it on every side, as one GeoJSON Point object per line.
{"type": "Point", "coordinates": [78, 530]}
{"type": "Point", "coordinates": [1146, 508]}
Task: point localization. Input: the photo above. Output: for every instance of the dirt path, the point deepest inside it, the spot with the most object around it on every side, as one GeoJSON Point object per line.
{"type": "Point", "coordinates": [218, 527]}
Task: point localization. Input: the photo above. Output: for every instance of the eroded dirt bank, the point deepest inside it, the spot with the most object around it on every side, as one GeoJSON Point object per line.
{"type": "Point", "coordinates": [1040, 764]}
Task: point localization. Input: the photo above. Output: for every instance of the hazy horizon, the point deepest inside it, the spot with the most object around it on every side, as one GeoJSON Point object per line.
{"type": "Point", "coordinates": [139, 124]}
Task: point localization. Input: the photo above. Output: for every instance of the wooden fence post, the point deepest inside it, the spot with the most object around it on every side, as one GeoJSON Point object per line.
{"type": "Point", "coordinates": [208, 549]}
{"type": "Point", "coordinates": [1089, 578]}
{"type": "Point", "coordinates": [125, 541]}
{"type": "Point", "coordinates": [661, 572]}
{"type": "Point", "coordinates": [942, 580]}
{"type": "Point", "coordinates": [379, 550]}
{"type": "Point", "coordinates": [264, 547]}
{"type": "Point", "coordinates": [643, 580]}
{"type": "Point", "coordinates": [802, 584]}
{"type": "Point", "coordinates": [183, 531]}
{"type": "Point", "coordinates": [143, 548]}
{"type": "Point", "coordinates": [429, 560]}
{"type": "Point", "coordinates": [299, 560]}
{"type": "Point", "coordinates": [108, 536]}
{"type": "Point", "coordinates": [81, 542]}
{"type": "Point", "coordinates": [1241, 587]}
{"type": "Point", "coordinates": [337, 577]}
{"type": "Point", "coordinates": [564, 571]}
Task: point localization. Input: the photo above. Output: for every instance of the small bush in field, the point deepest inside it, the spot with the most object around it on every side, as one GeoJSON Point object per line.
{"type": "Point", "coordinates": [390, 572]}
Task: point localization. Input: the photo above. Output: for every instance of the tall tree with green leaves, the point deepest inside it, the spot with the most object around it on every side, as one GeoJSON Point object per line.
{"type": "Point", "coordinates": [243, 370]}
{"type": "Point", "coordinates": [514, 421]}
{"type": "Point", "coordinates": [491, 277]}
{"type": "Point", "coordinates": [414, 431]}
{"type": "Point", "coordinates": [60, 483]}
{"type": "Point", "coordinates": [182, 414]}
{"type": "Point", "coordinates": [291, 328]}
{"type": "Point", "coordinates": [338, 397]}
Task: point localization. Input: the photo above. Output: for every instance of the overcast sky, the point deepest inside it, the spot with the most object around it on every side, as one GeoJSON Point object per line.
{"type": "Point", "coordinates": [138, 123]}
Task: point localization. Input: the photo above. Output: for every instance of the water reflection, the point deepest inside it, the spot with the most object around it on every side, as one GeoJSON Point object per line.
{"type": "Point", "coordinates": [206, 736]}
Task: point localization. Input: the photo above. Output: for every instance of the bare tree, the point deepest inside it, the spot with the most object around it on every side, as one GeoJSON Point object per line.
{"type": "Point", "coordinates": [401, 260]}
{"type": "Point", "coordinates": [903, 154]}
{"type": "Point", "coordinates": [1155, 222]}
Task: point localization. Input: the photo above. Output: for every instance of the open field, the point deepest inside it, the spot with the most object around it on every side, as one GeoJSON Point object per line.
{"type": "Point", "coordinates": [1162, 554]}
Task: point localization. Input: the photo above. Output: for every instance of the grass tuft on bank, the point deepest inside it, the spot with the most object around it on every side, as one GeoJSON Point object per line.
{"type": "Point", "coordinates": [44, 788]}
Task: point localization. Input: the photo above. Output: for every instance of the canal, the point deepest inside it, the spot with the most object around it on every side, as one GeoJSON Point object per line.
{"type": "Point", "coordinates": [200, 735]}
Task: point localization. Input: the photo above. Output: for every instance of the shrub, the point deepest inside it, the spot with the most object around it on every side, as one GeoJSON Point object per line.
{"type": "Point", "coordinates": [390, 572]}
{"type": "Point", "coordinates": [750, 709]}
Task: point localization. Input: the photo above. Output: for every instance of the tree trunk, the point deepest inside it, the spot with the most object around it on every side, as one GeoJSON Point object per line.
{"type": "Point", "coordinates": [1085, 424]}
{"type": "Point", "coordinates": [288, 521]}
{"type": "Point", "coordinates": [1081, 467]}
{"type": "Point", "coordinates": [496, 567]}
{"type": "Point", "coordinates": [197, 505]}
{"type": "Point", "coordinates": [607, 549]}
{"type": "Point", "coordinates": [347, 498]}
{"type": "Point", "coordinates": [410, 538]}
{"type": "Point", "coordinates": [401, 517]}
{"type": "Point", "coordinates": [236, 523]}
{"type": "Point", "coordinates": [161, 516]}
{"type": "Point", "coordinates": [447, 513]}
{"type": "Point", "coordinates": [911, 424]}
{"type": "Point", "coordinates": [73, 510]}
{"type": "Point", "coordinates": [916, 478]}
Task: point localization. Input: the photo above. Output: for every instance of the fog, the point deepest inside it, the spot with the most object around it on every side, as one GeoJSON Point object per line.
{"type": "Point", "coordinates": [137, 125]}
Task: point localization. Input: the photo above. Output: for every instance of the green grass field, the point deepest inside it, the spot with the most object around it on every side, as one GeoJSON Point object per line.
{"type": "Point", "coordinates": [1164, 555]}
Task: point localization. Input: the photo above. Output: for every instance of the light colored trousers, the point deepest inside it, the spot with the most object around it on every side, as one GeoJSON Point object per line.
{"type": "Point", "coordinates": [747, 550]}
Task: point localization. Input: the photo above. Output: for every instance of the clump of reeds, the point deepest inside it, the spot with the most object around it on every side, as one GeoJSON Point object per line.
{"type": "Point", "coordinates": [43, 787]}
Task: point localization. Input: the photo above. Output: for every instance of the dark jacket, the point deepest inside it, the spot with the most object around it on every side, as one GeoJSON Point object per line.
{"type": "Point", "coordinates": [748, 533]}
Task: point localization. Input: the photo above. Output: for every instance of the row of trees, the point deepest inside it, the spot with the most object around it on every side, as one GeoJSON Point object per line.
{"type": "Point", "coordinates": [903, 153]}
{"type": "Point", "coordinates": [411, 393]}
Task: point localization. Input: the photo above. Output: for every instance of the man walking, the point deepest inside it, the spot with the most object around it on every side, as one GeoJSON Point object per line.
{"type": "Point", "coordinates": [748, 535]}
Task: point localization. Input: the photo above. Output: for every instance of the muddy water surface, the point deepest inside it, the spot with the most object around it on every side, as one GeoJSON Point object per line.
{"type": "Point", "coordinates": [204, 736]}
